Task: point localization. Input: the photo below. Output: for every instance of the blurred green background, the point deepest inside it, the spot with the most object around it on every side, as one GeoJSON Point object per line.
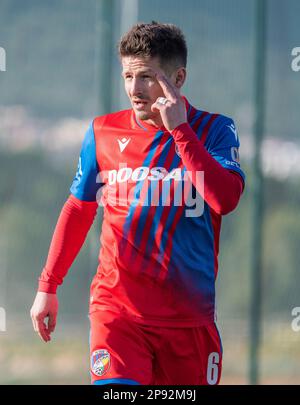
{"type": "Point", "coordinates": [49, 94]}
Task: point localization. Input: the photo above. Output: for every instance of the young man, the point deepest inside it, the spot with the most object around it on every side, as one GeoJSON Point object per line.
{"type": "Point", "coordinates": [152, 306]}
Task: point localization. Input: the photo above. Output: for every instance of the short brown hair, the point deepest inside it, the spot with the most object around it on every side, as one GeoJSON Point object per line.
{"type": "Point", "coordinates": [165, 41]}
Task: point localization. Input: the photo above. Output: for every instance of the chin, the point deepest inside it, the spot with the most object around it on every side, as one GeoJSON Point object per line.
{"type": "Point", "coordinates": [143, 115]}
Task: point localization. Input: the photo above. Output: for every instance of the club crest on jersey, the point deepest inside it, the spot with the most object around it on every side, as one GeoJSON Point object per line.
{"type": "Point", "coordinates": [177, 150]}
{"type": "Point", "coordinates": [100, 362]}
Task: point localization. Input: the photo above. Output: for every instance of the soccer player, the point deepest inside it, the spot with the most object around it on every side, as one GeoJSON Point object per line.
{"type": "Point", "coordinates": [165, 173]}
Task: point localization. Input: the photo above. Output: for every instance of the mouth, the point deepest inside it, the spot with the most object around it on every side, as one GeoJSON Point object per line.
{"type": "Point", "coordinates": [139, 104]}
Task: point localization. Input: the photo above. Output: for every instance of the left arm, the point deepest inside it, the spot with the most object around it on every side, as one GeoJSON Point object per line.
{"type": "Point", "coordinates": [222, 188]}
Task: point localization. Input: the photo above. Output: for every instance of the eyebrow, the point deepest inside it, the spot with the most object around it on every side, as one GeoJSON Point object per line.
{"type": "Point", "coordinates": [124, 72]}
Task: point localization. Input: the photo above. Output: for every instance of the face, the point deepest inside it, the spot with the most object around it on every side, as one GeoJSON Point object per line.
{"type": "Point", "coordinates": [141, 85]}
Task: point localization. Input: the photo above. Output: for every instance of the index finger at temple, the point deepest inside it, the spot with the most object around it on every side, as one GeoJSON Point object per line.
{"type": "Point", "coordinates": [167, 87]}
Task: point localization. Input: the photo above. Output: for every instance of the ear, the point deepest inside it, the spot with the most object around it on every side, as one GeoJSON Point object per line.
{"type": "Point", "coordinates": [180, 77]}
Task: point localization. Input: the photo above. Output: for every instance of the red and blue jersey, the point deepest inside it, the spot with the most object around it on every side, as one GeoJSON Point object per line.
{"type": "Point", "coordinates": [157, 262]}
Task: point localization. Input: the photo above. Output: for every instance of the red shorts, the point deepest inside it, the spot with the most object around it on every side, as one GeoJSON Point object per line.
{"type": "Point", "coordinates": [124, 352]}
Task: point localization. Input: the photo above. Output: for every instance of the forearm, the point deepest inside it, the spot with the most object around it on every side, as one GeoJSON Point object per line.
{"type": "Point", "coordinates": [73, 224]}
{"type": "Point", "coordinates": [222, 188]}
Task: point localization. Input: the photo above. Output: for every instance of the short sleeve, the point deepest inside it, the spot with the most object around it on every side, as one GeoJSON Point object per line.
{"type": "Point", "coordinates": [224, 146]}
{"type": "Point", "coordinates": [85, 185]}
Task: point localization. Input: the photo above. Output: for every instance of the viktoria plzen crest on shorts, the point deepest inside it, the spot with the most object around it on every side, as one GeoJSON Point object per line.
{"type": "Point", "coordinates": [100, 362]}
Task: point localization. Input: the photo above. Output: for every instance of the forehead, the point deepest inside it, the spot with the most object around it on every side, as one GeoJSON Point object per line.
{"type": "Point", "coordinates": [136, 63]}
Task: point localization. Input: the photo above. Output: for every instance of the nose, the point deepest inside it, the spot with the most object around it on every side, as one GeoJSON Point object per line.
{"type": "Point", "coordinates": [135, 87]}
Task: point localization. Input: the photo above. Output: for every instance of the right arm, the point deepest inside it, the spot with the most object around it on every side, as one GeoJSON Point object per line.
{"type": "Point", "coordinates": [74, 222]}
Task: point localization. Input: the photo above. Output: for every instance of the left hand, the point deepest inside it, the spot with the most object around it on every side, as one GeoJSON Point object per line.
{"type": "Point", "coordinates": [173, 113]}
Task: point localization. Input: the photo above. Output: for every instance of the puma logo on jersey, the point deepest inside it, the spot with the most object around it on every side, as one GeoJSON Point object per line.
{"type": "Point", "coordinates": [123, 143]}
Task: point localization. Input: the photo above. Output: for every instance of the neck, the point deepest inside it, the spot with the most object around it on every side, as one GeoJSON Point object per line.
{"type": "Point", "coordinates": [152, 123]}
{"type": "Point", "coordinates": [156, 122]}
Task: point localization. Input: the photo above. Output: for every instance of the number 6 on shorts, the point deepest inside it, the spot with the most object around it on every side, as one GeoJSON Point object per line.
{"type": "Point", "coordinates": [212, 368]}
